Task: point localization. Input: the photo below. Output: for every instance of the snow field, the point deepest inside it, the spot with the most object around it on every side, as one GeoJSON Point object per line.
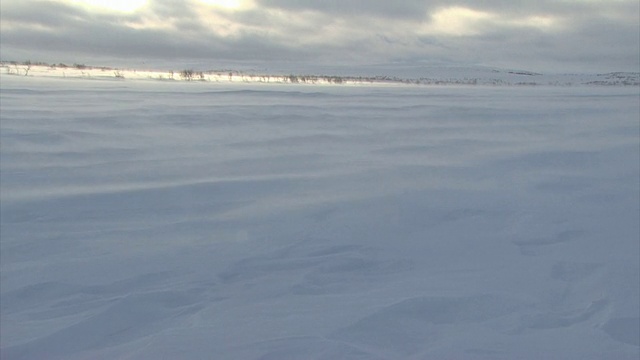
{"type": "Point", "coordinates": [177, 220]}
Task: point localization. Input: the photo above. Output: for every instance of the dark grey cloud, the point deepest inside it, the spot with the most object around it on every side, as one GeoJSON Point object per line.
{"type": "Point", "coordinates": [46, 14]}
{"type": "Point", "coordinates": [411, 9]}
{"type": "Point", "coordinates": [421, 9]}
{"type": "Point", "coordinates": [581, 36]}
{"type": "Point", "coordinates": [64, 29]}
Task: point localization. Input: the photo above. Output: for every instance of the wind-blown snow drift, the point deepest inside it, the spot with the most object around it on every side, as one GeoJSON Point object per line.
{"type": "Point", "coordinates": [156, 220]}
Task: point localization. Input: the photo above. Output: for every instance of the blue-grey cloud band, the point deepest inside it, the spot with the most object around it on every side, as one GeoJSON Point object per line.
{"type": "Point", "coordinates": [540, 35]}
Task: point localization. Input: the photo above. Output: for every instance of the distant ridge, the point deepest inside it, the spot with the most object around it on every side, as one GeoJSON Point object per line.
{"type": "Point", "coordinates": [469, 76]}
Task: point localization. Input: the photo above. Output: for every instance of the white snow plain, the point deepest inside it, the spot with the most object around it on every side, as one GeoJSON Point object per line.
{"type": "Point", "coordinates": [155, 220]}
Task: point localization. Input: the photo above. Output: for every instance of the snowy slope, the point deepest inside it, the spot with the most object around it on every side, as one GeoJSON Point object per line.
{"type": "Point", "coordinates": [147, 220]}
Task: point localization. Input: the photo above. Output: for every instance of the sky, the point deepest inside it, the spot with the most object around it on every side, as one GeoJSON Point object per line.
{"type": "Point", "coordinates": [536, 35]}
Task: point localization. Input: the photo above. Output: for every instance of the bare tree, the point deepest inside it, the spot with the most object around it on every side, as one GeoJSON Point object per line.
{"type": "Point", "coordinates": [28, 67]}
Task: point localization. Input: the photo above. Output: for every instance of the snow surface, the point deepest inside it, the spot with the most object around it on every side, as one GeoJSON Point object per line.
{"type": "Point", "coordinates": [149, 220]}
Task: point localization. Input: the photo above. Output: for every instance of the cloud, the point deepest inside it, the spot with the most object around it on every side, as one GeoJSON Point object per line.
{"type": "Point", "coordinates": [407, 9]}
{"type": "Point", "coordinates": [560, 35]}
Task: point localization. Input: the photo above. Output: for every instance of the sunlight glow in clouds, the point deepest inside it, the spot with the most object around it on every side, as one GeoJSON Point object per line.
{"type": "Point", "coordinates": [229, 4]}
{"type": "Point", "coordinates": [458, 21]}
{"type": "Point", "coordinates": [112, 5]}
{"type": "Point", "coordinates": [461, 21]}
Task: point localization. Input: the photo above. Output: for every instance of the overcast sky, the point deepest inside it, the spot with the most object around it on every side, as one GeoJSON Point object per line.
{"type": "Point", "coordinates": [538, 35]}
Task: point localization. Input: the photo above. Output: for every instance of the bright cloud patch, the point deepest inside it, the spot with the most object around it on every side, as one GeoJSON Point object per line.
{"type": "Point", "coordinates": [113, 5]}
{"type": "Point", "coordinates": [460, 21]}
{"type": "Point", "coordinates": [230, 4]}
{"type": "Point", "coordinates": [541, 22]}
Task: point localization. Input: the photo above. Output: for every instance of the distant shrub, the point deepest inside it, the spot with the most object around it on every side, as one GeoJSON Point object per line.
{"type": "Point", "coordinates": [187, 74]}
